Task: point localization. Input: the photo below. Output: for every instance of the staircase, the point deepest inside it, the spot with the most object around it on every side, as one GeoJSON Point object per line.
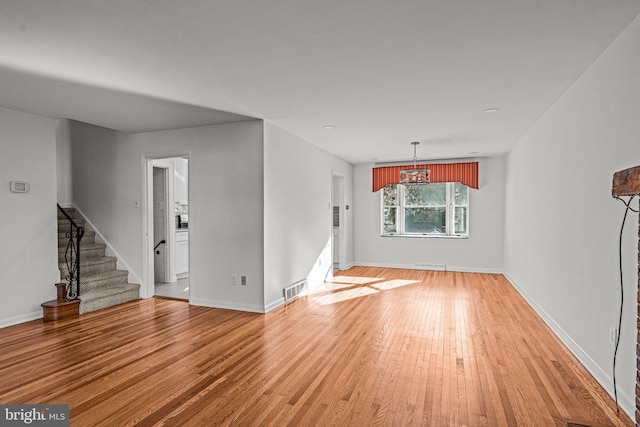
{"type": "Point", "coordinates": [101, 285]}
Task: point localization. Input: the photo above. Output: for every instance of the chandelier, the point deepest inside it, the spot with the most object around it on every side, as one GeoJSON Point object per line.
{"type": "Point", "coordinates": [415, 175]}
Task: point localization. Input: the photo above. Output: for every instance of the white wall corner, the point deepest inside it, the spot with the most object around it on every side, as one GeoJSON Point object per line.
{"type": "Point", "coordinates": [348, 266]}
{"type": "Point", "coordinates": [626, 402]}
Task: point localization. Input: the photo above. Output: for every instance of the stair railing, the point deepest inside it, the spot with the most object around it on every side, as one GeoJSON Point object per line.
{"type": "Point", "coordinates": [72, 257]}
{"type": "Point", "coordinates": [161, 242]}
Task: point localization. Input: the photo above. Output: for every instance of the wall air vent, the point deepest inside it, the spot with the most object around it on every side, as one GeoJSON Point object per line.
{"type": "Point", "coordinates": [294, 290]}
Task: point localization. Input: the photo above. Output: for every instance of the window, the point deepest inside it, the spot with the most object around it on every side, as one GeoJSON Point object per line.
{"type": "Point", "coordinates": [440, 209]}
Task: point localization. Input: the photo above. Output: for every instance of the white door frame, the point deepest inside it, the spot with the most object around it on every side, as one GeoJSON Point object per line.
{"type": "Point", "coordinates": [342, 230]}
{"type": "Point", "coordinates": [147, 288]}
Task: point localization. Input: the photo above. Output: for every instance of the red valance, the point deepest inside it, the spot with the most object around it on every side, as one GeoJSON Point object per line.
{"type": "Point", "coordinates": [464, 173]}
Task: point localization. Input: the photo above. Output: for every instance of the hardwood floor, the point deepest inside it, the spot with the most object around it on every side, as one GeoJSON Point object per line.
{"type": "Point", "coordinates": [376, 347]}
{"type": "Point", "coordinates": [175, 290]}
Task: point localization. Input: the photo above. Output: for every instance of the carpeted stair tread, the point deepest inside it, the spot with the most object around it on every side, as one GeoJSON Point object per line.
{"type": "Point", "coordinates": [89, 250]}
{"type": "Point", "coordinates": [65, 221]}
{"type": "Point", "coordinates": [109, 290]}
{"type": "Point", "coordinates": [86, 262]}
{"type": "Point", "coordinates": [88, 238]}
{"type": "Point", "coordinates": [103, 279]}
{"type": "Point", "coordinates": [90, 266]}
{"type": "Point", "coordinates": [108, 296]}
{"type": "Point", "coordinates": [84, 243]}
{"type": "Point", "coordinates": [70, 211]}
{"type": "Point", "coordinates": [104, 275]}
{"type": "Point", "coordinates": [64, 227]}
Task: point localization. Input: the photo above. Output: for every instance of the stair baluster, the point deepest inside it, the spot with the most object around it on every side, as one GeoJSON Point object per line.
{"type": "Point", "coordinates": [72, 257]}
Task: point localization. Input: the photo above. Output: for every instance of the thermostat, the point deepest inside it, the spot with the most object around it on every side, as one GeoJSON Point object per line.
{"type": "Point", "coordinates": [19, 187]}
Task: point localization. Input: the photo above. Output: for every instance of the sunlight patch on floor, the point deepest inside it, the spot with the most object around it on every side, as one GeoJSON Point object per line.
{"type": "Point", "coordinates": [343, 288]}
{"type": "Point", "coordinates": [329, 287]}
{"type": "Point", "coordinates": [392, 284]}
{"type": "Point", "coordinates": [355, 280]}
{"type": "Point", "coordinates": [345, 295]}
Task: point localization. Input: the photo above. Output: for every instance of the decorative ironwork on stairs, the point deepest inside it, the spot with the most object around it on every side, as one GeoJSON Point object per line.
{"type": "Point", "coordinates": [72, 257]}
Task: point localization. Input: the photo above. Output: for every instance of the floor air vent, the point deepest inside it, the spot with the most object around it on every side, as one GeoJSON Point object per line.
{"type": "Point", "coordinates": [295, 290]}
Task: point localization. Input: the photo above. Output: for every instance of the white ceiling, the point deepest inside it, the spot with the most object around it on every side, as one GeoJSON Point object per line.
{"type": "Point", "coordinates": [384, 72]}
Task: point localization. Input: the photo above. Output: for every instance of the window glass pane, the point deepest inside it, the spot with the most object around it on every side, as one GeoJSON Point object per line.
{"type": "Point", "coordinates": [390, 195]}
{"type": "Point", "coordinates": [425, 220]}
{"type": "Point", "coordinates": [425, 195]}
{"type": "Point", "coordinates": [389, 225]}
{"type": "Point", "coordinates": [462, 194]}
{"type": "Point", "coordinates": [424, 209]}
{"type": "Point", "coordinates": [461, 220]}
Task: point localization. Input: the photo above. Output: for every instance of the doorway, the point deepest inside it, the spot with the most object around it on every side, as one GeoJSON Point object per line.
{"type": "Point", "coordinates": [166, 225]}
{"type": "Point", "coordinates": [160, 226]}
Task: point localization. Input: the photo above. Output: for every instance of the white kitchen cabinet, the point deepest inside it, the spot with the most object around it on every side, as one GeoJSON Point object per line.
{"type": "Point", "coordinates": [182, 254]}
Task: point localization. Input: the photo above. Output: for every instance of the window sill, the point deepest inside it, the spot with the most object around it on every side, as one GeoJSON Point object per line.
{"type": "Point", "coordinates": [427, 236]}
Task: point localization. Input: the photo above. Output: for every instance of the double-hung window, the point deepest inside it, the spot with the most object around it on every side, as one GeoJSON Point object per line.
{"type": "Point", "coordinates": [440, 209]}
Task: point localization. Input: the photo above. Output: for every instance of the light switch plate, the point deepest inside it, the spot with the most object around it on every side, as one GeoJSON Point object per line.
{"type": "Point", "coordinates": [19, 187]}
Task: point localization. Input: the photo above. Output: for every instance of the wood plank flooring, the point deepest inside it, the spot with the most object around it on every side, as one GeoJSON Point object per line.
{"type": "Point", "coordinates": [377, 346]}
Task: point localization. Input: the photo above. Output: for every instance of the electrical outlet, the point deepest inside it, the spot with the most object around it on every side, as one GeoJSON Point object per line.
{"type": "Point", "coordinates": [613, 335]}
{"type": "Point", "coordinates": [243, 280]}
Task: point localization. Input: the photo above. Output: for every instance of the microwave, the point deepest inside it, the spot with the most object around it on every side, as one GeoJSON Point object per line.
{"type": "Point", "coordinates": [183, 220]}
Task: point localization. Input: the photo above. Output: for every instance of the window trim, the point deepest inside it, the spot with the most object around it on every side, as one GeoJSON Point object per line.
{"type": "Point", "coordinates": [449, 206]}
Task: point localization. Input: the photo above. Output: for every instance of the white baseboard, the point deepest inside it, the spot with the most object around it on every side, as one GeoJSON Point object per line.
{"type": "Point", "coordinates": [228, 305]}
{"type": "Point", "coordinates": [122, 264]}
{"type": "Point", "coordinates": [434, 267]}
{"type": "Point", "coordinates": [21, 318]}
{"type": "Point", "coordinates": [626, 402]}
{"type": "Point", "coordinates": [239, 307]}
{"type": "Point", "coordinates": [273, 305]}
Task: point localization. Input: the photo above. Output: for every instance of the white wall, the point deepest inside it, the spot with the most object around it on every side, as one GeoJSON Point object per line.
{"type": "Point", "coordinates": [180, 180]}
{"type": "Point", "coordinates": [481, 252]}
{"type": "Point", "coordinates": [28, 255]}
{"type": "Point", "coordinates": [297, 214]}
{"type": "Point", "coordinates": [226, 199]}
{"type": "Point", "coordinates": [562, 225]}
{"type": "Point", "coordinates": [63, 163]}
